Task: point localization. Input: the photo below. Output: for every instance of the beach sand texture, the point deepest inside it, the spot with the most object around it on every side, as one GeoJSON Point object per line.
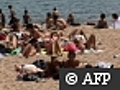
{"type": "Point", "coordinates": [109, 42]}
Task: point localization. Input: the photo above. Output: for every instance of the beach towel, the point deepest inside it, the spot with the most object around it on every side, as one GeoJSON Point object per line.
{"type": "Point", "coordinates": [16, 51]}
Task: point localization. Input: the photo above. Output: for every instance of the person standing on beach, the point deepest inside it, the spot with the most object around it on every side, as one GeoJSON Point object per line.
{"type": "Point", "coordinates": [2, 19]}
{"type": "Point", "coordinates": [26, 18]}
{"type": "Point", "coordinates": [116, 21]}
{"type": "Point", "coordinates": [12, 14]}
{"type": "Point", "coordinates": [55, 14]}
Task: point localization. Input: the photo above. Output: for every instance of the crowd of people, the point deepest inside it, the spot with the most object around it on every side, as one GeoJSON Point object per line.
{"type": "Point", "coordinates": [29, 39]}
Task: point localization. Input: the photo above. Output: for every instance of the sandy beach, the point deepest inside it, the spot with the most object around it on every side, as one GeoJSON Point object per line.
{"type": "Point", "coordinates": [109, 40]}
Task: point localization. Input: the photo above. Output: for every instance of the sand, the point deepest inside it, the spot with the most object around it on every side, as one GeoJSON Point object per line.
{"type": "Point", "coordinates": [110, 43]}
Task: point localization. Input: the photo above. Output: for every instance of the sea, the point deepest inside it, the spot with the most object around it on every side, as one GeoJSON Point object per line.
{"type": "Point", "coordinates": [83, 10]}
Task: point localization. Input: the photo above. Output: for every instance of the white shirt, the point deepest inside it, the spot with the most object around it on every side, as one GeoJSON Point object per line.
{"type": "Point", "coordinates": [116, 24]}
{"type": "Point", "coordinates": [28, 67]}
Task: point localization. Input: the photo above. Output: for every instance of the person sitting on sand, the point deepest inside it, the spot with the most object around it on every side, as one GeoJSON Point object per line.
{"type": "Point", "coordinates": [52, 45]}
{"type": "Point", "coordinates": [49, 20]}
{"type": "Point", "coordinates": [71, 62]}
{"type": "Point", "coordinates": [2, 19]}
{"type": "Point", "coordinates": [70, 19]}
{"type": "Point", "coordinates": [102, 23]}
{"type": "Point", "coordinates": [53, 67]}
{"type": "Point", "coordinates": [32, 46]}
{"type": "Point", "coordinates": [26, 18]}
{"type": "Point", "coordinates": [14, 35]}
{"type": "Point", "coordinates": [11, 41]}
{"type": "Point", "coordinates": [116, 21]}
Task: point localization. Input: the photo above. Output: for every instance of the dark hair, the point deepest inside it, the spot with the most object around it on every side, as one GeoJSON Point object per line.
{"type": "Point", "coordinates": [49, 14]}
{"type": "Point", "coordinates": [70, 15]}
{"type": "Point", "coordinates": [26, 11]}
{"type": "Point", "coordinates": [54, 8]}
{"type": "Point", "coordinates": [9, 6]}
{"type": "Point", "coordinates": [102, 16]}
{"type": "Point", "coordinates": [30, 26]}
{"type": "Point", "coordinates": [88, 66]}
{"type": "Point", "coordinates": [115, 16]}
{"type": "Point", "coordinates": [53, 33]}
{"type": "Point", "coordinates": [71, 53]}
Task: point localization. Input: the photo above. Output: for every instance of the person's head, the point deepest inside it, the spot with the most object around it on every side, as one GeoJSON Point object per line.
{"type": "Point", "coordinates": [26, 11]}
{"type": "Point", "coordinates": [54, 9]}
{"type": "Point", "coordinates": [54, 35]}
{"type": "Point", "coordinates": [102, 16]}
{"type": "Point", "coordinates": [10, 6]}
{"type": "Point", "coordinates": [18, 68]}
{"type": "Point", "coordinates": [70, 15]}
{"type": "Point", "coordinates": [115, 16]}
{"type": "Point", "coordinates": [71, 55]}
{"type": "Point", "coordinates": [49, 14]}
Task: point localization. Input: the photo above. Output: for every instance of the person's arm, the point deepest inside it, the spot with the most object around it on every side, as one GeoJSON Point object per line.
{"type": "Point", "coordinates": [40, 34]}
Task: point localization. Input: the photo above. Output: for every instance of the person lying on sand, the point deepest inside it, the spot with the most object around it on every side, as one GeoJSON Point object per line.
{"type": "Point", "coordinates": [81, 41]}
{"type": "Point", "coordinates": [29, 72]}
